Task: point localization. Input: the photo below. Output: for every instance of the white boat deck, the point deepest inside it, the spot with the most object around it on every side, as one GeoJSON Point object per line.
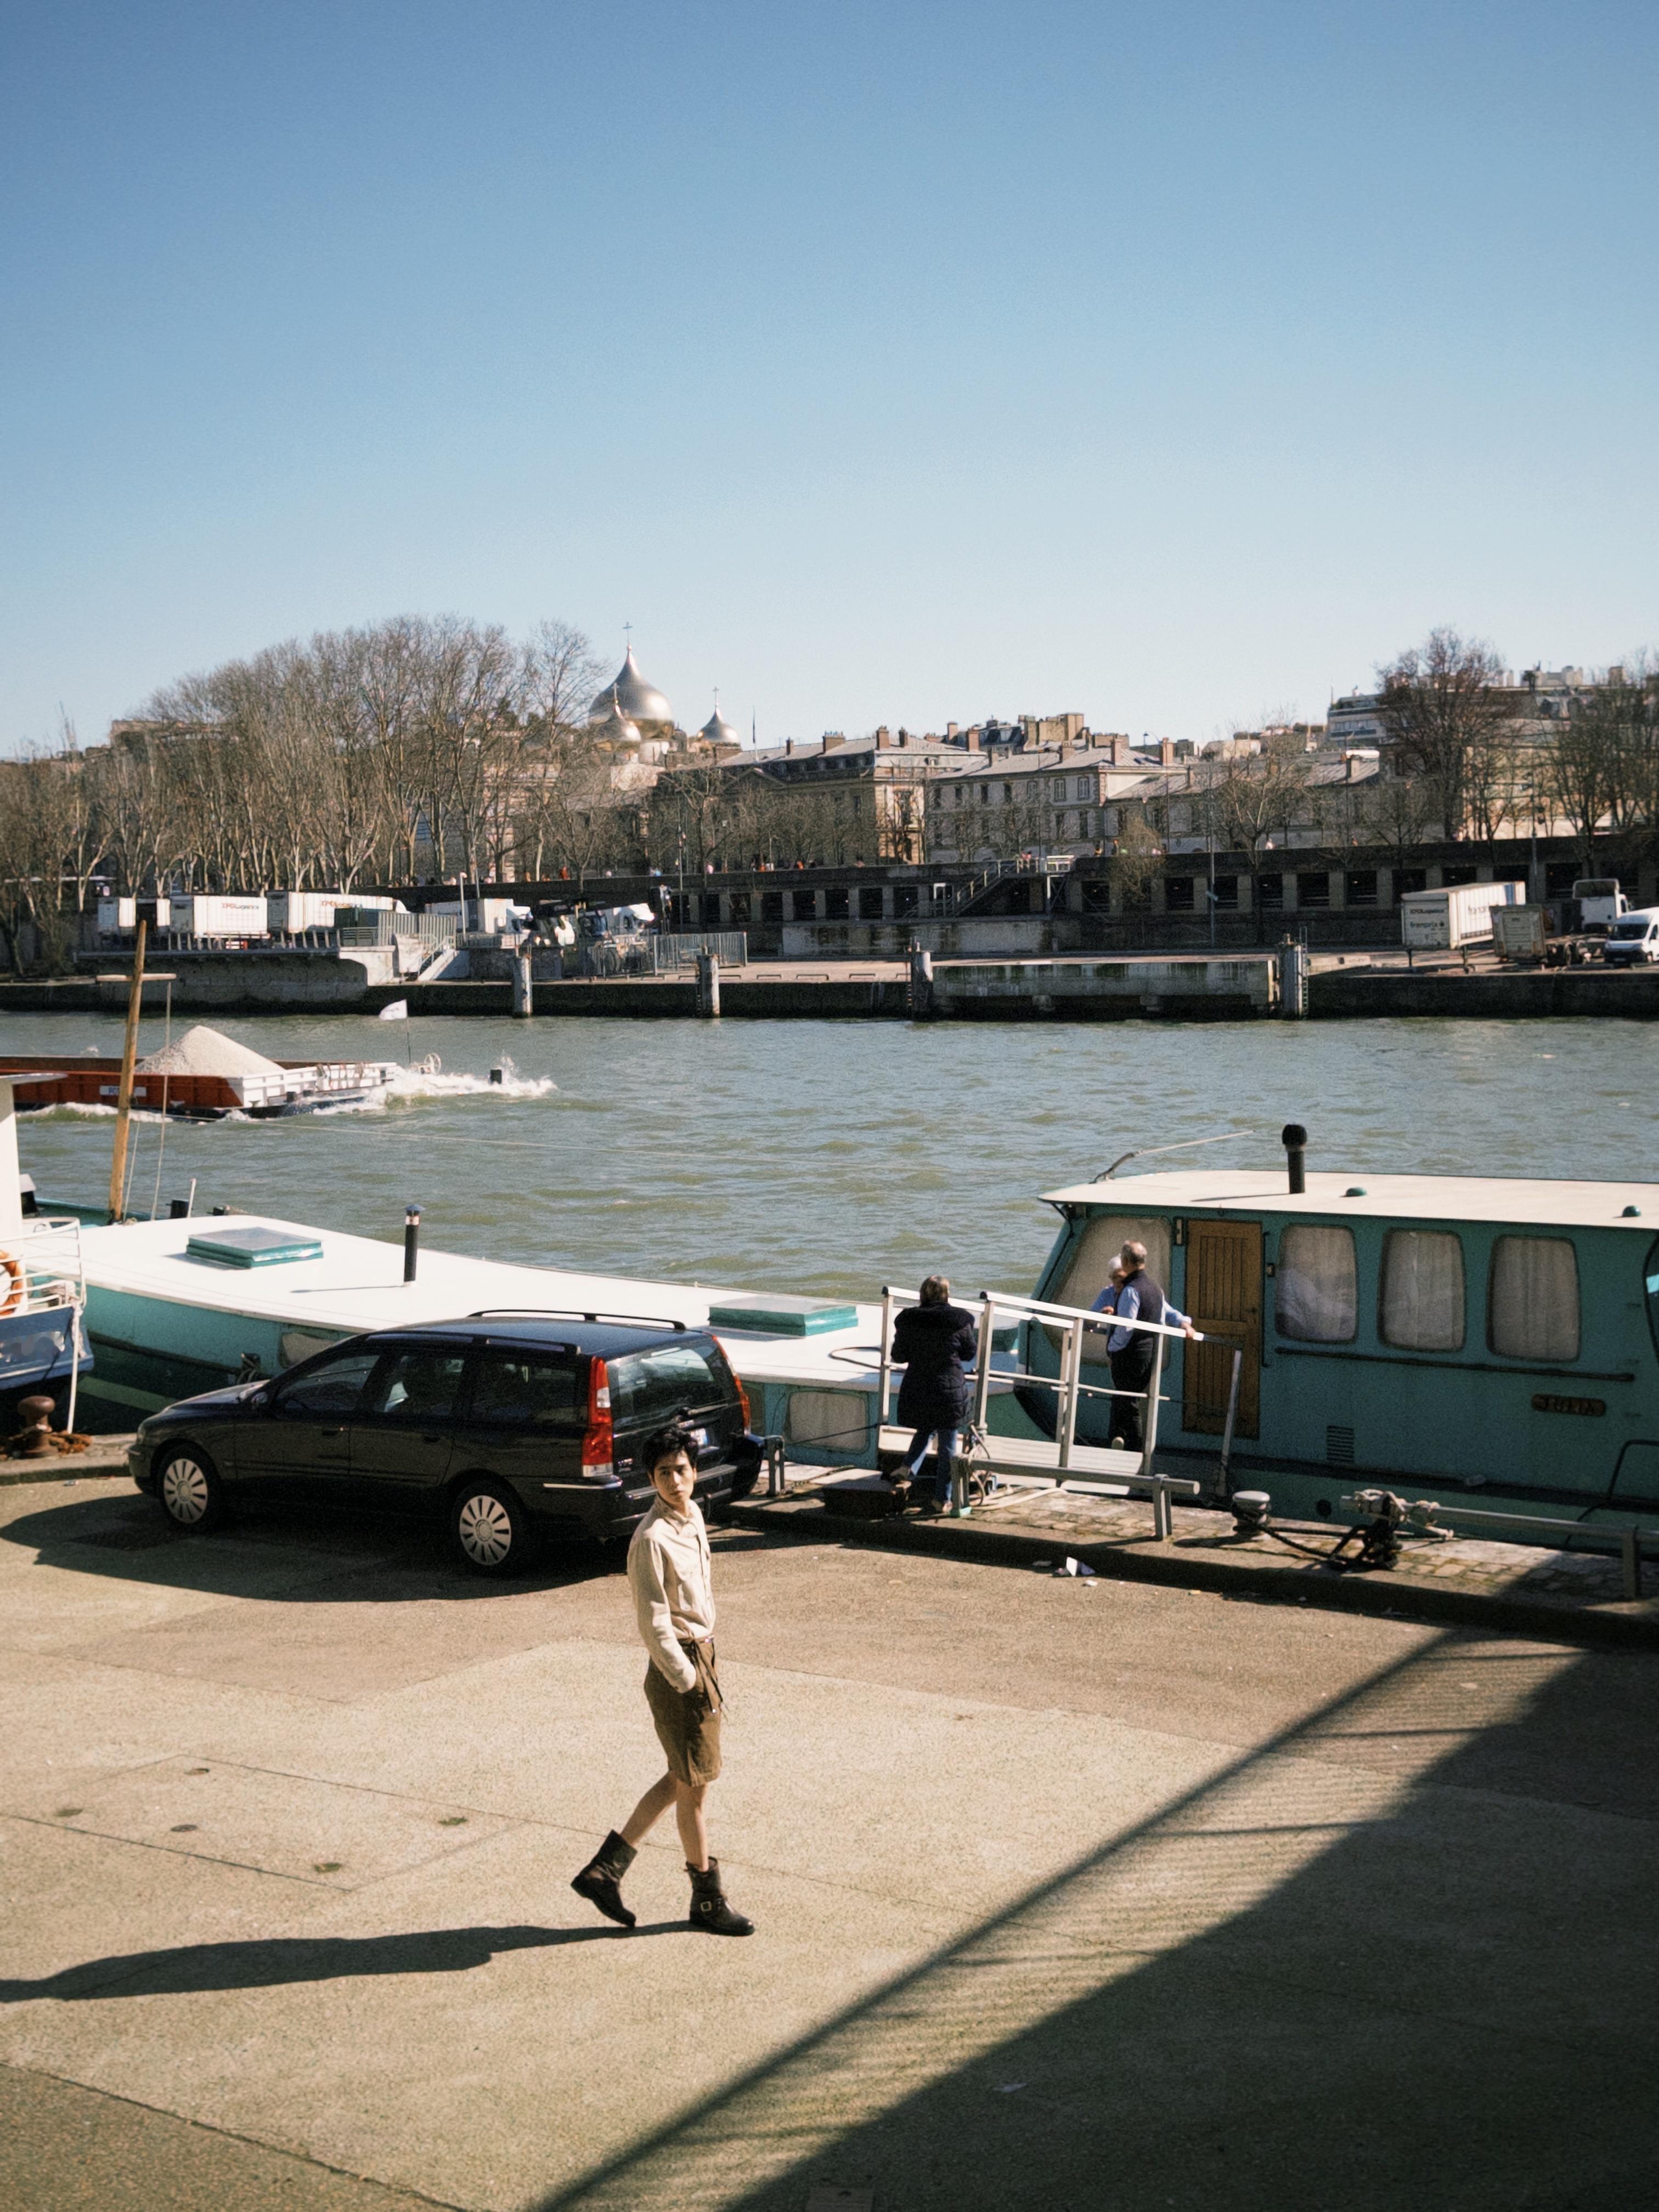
{"type": "Point", "coordinates": [357, 1284]}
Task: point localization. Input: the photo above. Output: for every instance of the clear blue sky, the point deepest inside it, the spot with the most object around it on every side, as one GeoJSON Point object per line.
{"type": "Point", "coordinates": [880, 362]}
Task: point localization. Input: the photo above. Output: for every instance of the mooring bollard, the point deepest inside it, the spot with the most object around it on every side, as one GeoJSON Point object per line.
{"type": "Point", "coordinates": [708, 987]}
{"type": "Point", "coordinates": [524, 989]}
{"type": "Point", "coordinates": [411, 1241]}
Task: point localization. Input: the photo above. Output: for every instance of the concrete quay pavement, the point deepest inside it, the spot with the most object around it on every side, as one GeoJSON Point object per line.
{"type": "Point", "coordinates": [1069, 1893]}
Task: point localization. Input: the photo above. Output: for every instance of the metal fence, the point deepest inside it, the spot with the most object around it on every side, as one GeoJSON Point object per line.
{"type": "Point", "coordinates": [729, 946]}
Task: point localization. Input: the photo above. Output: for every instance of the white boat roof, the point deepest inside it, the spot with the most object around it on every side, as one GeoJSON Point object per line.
{"type": "Point", "coordinates": [1519, 1199]}
{"type": "Point", "coordinates": [357, 1284]}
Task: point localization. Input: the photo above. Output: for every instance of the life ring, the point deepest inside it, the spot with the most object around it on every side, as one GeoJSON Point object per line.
{"type": "Point", "coordinates": [14, 1296]}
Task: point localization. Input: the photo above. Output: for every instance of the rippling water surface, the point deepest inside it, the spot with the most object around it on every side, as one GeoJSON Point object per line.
{"type": "Point", "coordinates": [829, 1156]}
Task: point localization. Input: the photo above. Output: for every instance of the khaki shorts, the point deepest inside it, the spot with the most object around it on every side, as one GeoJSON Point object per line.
{"type": "Point", "coordinates": [688, 1721]}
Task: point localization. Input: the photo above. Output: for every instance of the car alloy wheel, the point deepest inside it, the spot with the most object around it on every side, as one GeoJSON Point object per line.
{"type": "Point", "coordinates": [189, 1490]}
{"type": "Point", "coordinates": [488, 1530]}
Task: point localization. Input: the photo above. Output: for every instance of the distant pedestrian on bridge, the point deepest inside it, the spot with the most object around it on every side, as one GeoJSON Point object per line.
{"type": "Point", "coordinates": [1132, 1351]}
{"type": "Point", "coordinates": [937, 1343]}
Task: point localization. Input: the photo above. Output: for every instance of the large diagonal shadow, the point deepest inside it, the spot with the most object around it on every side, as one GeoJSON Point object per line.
{"type": "Point", "coordinates": [1397, 1957]}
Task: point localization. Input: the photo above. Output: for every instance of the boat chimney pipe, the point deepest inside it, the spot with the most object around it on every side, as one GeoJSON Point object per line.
{"type": "Point", "coordinates": [411, 1241]}
{"type": "Point", "coordinates": [1294, 1138]}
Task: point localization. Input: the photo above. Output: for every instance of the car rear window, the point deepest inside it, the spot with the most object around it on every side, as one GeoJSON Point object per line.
{"type": "Point", "coordinates": [525, 1389]}
{"type": "Point", "coordinates": [654, 1385]}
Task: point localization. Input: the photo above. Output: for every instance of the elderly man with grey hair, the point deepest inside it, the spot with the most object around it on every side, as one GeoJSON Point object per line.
{"type": "Point", "coordinates": [1132, 1351]}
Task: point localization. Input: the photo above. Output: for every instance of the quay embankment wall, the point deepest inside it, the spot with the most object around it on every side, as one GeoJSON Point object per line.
{"type": "Point", "coordinates": [1239, 988]}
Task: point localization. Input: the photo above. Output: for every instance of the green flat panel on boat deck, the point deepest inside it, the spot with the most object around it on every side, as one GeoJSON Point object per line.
{"type": "Point", "coordinates": [782, 1317]}
{"type": "Point", "coordinates": [253, 1248]}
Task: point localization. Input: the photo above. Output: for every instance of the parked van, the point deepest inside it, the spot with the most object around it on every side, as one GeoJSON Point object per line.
{"type": "Point", "coordinates": [1633, 939]}
{"type": "Point", "coordinates": [1600, 901]}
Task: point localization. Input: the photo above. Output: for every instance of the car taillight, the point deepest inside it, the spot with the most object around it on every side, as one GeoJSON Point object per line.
{"type": "Point", "coordinates": [598, 1452]}
{"type": "Point", "coordinates": [742, 1396]}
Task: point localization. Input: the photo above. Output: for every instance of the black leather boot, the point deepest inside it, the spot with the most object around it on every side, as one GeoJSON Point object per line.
{"type": "Point", "coordinates": [709, 1910]}
{"type": "Point", "coordinates": [600, 1880]}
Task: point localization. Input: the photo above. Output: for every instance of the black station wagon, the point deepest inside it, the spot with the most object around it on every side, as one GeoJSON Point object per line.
{"type": "Point", "coordinates": [511, 1426]}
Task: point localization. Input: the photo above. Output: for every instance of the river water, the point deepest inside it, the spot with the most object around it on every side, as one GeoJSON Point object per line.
{"type": "Point", "coordinates": [830, 1157]}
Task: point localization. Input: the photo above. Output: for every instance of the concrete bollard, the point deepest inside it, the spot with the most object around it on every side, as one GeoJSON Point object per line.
{"type": "Point", "coordinates": [524, 989]}
{"type": "Point", "coordinates": [922, 984]}
{"type": "Point", "coordinates": [708, 988]}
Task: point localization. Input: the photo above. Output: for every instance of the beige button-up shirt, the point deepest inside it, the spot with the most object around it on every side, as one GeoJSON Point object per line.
{"type": "Point", "coordinates": [668, 1571]}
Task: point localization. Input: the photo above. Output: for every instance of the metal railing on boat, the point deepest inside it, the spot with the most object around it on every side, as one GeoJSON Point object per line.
{"type": "Point", "coordinates": [1060, 1462]}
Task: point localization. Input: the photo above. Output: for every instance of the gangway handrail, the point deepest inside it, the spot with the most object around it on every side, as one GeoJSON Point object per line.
{"type": "Point", "coordinates": [1077, 1321]}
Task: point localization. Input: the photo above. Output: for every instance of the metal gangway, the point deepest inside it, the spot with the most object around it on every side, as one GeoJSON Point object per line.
{"type": "Point", "coordinates": [55, 1279]}
{"type": "Point", "coordinates": [1060, 1462]}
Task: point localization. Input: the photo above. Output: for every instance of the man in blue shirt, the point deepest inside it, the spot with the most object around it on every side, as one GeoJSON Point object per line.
{"type": "Point", "coordinates": [1134, 1295]}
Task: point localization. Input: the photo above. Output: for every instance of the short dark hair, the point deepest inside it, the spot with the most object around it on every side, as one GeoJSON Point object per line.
{"type": "Point", "coordinates": [663, 1443]}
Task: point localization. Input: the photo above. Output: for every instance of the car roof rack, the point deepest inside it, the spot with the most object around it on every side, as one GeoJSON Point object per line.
{"type": "Point", "coordinates": [575, 1313]}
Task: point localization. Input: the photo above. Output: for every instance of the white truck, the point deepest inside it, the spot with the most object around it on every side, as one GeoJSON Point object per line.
{"type": "Point", "coordinates": [1457, 914]}
{"type": "Point", "coordinates": [1633, 940]}
{"type": "Point", "coordinates": [1600, 901]}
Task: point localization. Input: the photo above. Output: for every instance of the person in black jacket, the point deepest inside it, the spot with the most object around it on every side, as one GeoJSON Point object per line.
{"type": "Point", "coordinates": [937, 1343]}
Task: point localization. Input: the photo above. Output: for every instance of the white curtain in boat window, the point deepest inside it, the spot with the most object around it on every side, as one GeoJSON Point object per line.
{"type": "Point", "coordinates": [1422, 1304]}
{"type": "Point", "coordinates": [1317, 1284]}
{"type": "Point", "coordinates": [1534, 1298]}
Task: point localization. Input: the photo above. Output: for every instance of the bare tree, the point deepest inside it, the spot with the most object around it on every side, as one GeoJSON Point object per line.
{"type": "Point", "coordinates": [1445, 716]}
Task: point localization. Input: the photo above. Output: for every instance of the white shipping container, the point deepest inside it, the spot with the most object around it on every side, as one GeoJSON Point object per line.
{"type": "Point", "coordinates": [218, 913]}
{"type": "Point", "coordinates": [1457, 914]}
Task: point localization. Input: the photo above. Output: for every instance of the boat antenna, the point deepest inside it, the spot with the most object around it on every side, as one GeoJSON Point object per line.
{"type": "Point", "coordinates": [1147, 1151]}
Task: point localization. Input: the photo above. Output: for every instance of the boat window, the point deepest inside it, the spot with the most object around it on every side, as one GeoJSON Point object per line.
{"type": "Point", "coordinates": [1650, 1284]}
{"type": "Point", "coordinates": [1317, 1284]}
{"type": "Point", "coordinates": [333, 1387]}
{"type": "Point", "coordinates": [1421, 1308]}
{"type": "Point", "coordinates": [525, 1389]}
{"type": "Point", "coordinates": [417, 1386]}
{"type": "Point", "coordinates": [1533, 1308]}
{"type": "Point", "coordinates": [655, 1385]}
{"type": "Point", "coordinates": [1104, 1238]}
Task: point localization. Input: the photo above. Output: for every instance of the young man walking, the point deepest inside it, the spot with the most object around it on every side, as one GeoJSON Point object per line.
{"type": "Point", "coordinates": [668, 1571]}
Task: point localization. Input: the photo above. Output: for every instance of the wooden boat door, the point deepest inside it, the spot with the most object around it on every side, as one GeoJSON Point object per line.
{"type": "Point", "coordinates": [1224, 1297]}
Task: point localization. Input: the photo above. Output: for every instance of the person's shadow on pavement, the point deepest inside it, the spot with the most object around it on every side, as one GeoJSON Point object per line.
{"type": "Point", "coordinates": [268, 1962]}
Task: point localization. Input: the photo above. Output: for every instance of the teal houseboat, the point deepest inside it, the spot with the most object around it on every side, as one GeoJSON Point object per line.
{"type": "Point", "coordinates": [1476, 1338]}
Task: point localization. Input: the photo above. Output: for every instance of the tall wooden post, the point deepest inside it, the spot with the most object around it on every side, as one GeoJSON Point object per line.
{"type": "Point", "coordinates": [118, 1172]}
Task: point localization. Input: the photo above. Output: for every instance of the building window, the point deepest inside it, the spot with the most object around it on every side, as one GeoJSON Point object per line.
{"type": "Point", "coordinates": [1008, 794]}
{"type": "Point", "coordinates": [1410, 879]}
{"type": "Point", "coordinates": [1532, 1311]}
{"type": "Point", "coordinates": [1317, 1285]}
{"type": "Point", "coordinates": [836, 905]}
{"type": "Point", "coordinates": [1057, 787]}
{"type": "Point", "coordinates": [1314, 889]}
{"type": "Point", "coordinates": [870, 902]}
{"type": "Point", "coordinates": [1097, 896]}
{"type": "Point", "coordinates": [1559, 877]}
{"type": "Point", "coordinates": [1178, 894]}
{"type": "Point", "coordinates": [1226, 894]}
{"type": "Point", "coordinates": [771, 906]}
{"type": "Point", "coordinates": [711, 909]}
{"type": "Point", "coordinates": [1460, 873]}
{"type": "Point", "coordinates": [739, 904]}
{"type": "Point", "coordinates": [1421, 1307]}
{"type": "Point", "coordinates": [805, 904]}
{"type": "Point", "coordinates": [1362, 886]}
{"type": "Point", "coordinates": [907, 901]}
{"type": "Point", "coordinates": [1270, 893]}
